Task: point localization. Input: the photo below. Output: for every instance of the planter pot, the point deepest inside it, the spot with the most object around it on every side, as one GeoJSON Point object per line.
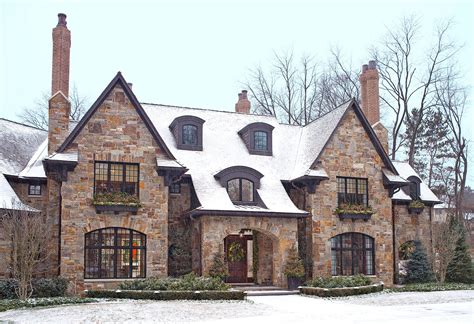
{"type": "Point", "coordinates": [115, 208]}
{"type": "Point", "coordinates": [364, 216]}
{"type": "Point", "coordinates": [294, 283]}
{"type": "Point", "coordinates": [415, 210]}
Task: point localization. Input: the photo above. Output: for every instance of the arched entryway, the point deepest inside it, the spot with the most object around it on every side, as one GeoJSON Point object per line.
{"type": "Point", "coordinates": [250, 256]}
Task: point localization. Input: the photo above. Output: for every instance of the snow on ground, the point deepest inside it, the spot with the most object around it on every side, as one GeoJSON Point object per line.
{"type": "Point", "coordinates": [433, 307]}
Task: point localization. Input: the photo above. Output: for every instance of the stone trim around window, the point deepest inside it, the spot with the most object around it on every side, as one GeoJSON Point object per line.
{"type": "Point", "coordinates": [248, 135]}
{"type": "Point", "coordinates": [176, 128]}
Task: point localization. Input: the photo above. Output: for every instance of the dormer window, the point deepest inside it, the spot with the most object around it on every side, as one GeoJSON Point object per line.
{"type": "Point", "coordinates": [414, 187]}
{"type": "Point", "coordinates": [258, 138]}
{"type": "Point", "coordinates": [187, 131]}
{"type": "Point", "coordinates": [240, 190]}
{"type": "Point", "coordinates": [260, 141]}
{"type": "Point", "coordinates": [241, 183]}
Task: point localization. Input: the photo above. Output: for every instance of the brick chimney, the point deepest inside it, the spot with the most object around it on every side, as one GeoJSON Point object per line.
{"type": "Point", "coordinates": [243, 104]}
{"type": "Point", "coordinates": [369, 91]}
{"type": "Point", "coordinates": [59, 105]}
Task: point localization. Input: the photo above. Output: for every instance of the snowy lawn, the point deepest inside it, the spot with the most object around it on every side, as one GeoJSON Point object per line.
{"type": "Point", "coordinates": [407, 307]}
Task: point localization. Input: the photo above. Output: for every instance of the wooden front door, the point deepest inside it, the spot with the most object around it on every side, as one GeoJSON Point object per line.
{"type": "Point", "coordinates": [236, 254]}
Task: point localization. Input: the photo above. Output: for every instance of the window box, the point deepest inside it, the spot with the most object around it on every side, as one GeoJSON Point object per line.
{"type": "Point", "coordinates": [416, 207]}
{"type": "Point", "coordinates": [349, 211]}
{"type": "Point", "coordinates": [116, 202]}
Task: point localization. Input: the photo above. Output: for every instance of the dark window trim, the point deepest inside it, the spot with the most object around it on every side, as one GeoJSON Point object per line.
{"type": "Point", "coordinates": [176, 128]}
{"type": "Point", "coordinates": [239, 172]}
{"type": "Point", "coordinates": [115, 247]}
{"type": "Point", "coordinates": [34, 185]}
{"type": "Point", "coordinates": [240, 201]}
{"type": "Point", "coordinates": [364, 249]}
{"type": "Point", "coordinates": [366, 202]}
{"type": "Point", "coordinates": [248, 135]}
{"type": "Point", "coordinates": [172, 191]}
{"type": "Point", "coordinates": [414, 182]}
{"type": "Point", "coordinates": [123, 174]}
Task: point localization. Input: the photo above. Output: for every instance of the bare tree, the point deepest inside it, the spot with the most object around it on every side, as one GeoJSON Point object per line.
{"type": "Point", "coordinates": [445, 237]}
{"type": "Point", "coordinates": [451, 100]}
{"type": "Point", "coordinates": [30, 238]}
{"type": "Point", "coordinates": [406, 84]}
{"type": "Point", "coordinates": [298, 92]}
{"type": "Point", "coordinates": [37, 115]}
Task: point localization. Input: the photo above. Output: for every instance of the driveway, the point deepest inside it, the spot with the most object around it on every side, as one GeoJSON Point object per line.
{"type": "Point", "coordinates": [433, 307]}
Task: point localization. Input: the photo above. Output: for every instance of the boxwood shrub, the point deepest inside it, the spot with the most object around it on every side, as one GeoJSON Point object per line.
{"type": "Point", "coordinates": [42, 287]}
{"type": "Point", "coordinates": [189, 282]}
{"type": "Point", "coordinates": [340, 292]}
{"type": "Point", "coordinates": [339, 282]}
{"type": "Point", "coordinates": [167, 295]}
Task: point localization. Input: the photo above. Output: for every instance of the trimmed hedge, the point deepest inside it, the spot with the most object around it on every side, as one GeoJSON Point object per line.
{"type": "Point", "coordinates": [8, 304]}
{"type": "Point", "coordinates": [341, 292]}
{"type": "Point", "coordinates": [167, 295]}
{"type": "Point", "coordinates": [188, 282]}
{"type": "Point", "coordinates": [433, 286]}
{"type": "Point", "coordinates": [43, 287]}
{"type": "Point", "coordinates": [340, 282]}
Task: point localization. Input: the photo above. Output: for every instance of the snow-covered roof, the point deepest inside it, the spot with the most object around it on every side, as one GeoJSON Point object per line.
{"type": "Point", "coordinates": [405, 171]}
{"type": "Point", "coordinates": [294, 150]}
{"type": "Point", "coordinates": [18, 144]}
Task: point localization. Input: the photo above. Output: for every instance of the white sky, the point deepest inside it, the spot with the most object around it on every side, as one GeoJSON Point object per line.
{"type": "Point", "coordinates": [197, 53]}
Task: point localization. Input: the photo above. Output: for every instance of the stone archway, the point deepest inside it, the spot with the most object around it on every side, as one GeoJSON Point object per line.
{"type": "Point", "coordinates": [282, 232]}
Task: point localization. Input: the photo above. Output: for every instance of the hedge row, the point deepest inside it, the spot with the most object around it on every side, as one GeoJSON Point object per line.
{"type": "Point", "coordinates": [167, 295]}
{"type": "Point", "coordinates": [434, 286]}
{"type": "Point", "coordinates": [7, 304]}
{"type": "Point", "coordinates": [340, 292]}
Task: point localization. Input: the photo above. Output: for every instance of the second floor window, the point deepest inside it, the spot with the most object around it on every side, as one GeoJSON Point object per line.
{"type": "Point", "coordinates": [190, 135]}
{"type": "Point", "coordinates": [240, 190]}
{"type": "Point", "coordinates": [116, 177]}
{"type": "Point", "coordinates": [352, 191]}
{"type": "Point", "coordinates": [260, 141]}
{"type": "Point", "coordinates": [34, 189]}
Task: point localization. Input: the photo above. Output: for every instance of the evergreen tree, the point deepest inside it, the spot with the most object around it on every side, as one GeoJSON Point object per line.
{"type": "Point", "coordinates": [460, 268]}
{"type": "Point", "coordinates": [419, 269]}
{"type": "Point", "coordinates": [219, 267]}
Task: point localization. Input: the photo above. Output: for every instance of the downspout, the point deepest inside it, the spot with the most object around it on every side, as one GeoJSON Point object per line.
{"type": "Point", "coordinates": [395, 274]}
{"type": "Point", "coordinates": [59, 227]}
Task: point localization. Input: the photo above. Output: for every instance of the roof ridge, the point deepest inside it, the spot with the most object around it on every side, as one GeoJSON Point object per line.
{"type": "Point", "coordinates": [22, 124]}
{"type": "Point", "coordinates": [207, 109]}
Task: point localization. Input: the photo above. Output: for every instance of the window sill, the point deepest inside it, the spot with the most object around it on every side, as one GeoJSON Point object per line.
{"type": "Point", "coordinates": [116, 208]}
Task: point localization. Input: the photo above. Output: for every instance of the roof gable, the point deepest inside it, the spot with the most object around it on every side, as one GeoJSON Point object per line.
{"type": "Point", "coordinates": [370, 132]}
{"type": "Point", "coordinates": [118, 80]}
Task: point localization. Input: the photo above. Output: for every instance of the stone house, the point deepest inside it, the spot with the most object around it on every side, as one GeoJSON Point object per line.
{"type": "Point", "coordinates": [134, 190]}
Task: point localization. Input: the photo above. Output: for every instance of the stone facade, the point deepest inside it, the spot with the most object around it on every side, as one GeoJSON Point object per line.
{"type": "Point", "coordinates": [116, 133]}
{"type": "Point", "coordinates": [350, 153]}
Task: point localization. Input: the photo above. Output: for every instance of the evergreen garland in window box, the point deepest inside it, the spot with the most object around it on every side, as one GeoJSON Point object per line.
{"type": "Point", "coordinates": [416, 207]}
{"type": "Point", "coordinates": [116, 201]}
{"type": "Point", "coordinates": [354, 211]}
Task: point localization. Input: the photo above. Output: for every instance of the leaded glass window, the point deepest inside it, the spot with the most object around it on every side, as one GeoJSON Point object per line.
{"type": "Point", "coordinates": [351, 254]}
{"type": "Point", "coordinates": [116, 177]}
{"type": "Point", "coordinates": [352, 191]}
{"type": "Point", "coordinates": [190, 135]}
{"type": "Point", "coordinates": [240, 190]}
{"type": "Point", "coordinates": [260, 141]}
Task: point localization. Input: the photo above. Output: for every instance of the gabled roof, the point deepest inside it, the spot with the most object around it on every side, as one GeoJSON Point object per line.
{"type": "Point", "coordinates": [8, 197]}
{"type": "Point", "coordinates": [118, 80]}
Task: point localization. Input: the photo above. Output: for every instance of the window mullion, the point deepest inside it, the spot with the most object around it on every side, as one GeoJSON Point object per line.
{"type": "Point", "coordinates": [115, 251]}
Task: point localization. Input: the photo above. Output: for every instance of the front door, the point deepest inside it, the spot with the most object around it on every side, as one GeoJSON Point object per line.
{"type": "Point", "coordinates": [236, 254]}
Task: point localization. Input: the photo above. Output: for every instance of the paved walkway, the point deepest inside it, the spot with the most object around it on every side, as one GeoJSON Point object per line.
{"type": "Point", "coordinates": [436, 307]}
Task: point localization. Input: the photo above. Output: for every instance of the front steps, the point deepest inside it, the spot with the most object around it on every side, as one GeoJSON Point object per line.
{"type": "Point", "coordinates": [256, 290]}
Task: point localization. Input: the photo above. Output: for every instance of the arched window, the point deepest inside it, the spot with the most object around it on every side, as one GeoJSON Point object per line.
{"type": "Point", "coordinates": [114, 252]}
{"type": "Point", "coordinates": [240, 190]}
{"type": "Point", "coordinates": [260, 141]}
{"type": "Point", "coordinates": [351, 254]}
{"type": "Point", "coordinates": [190, 135]}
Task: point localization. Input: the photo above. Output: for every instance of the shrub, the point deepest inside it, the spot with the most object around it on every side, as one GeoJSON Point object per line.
{"type": "Point", "coordinates": [340, 292]}
{"type": "Point", "coordinates": [51, 287]}
{"type": "Point", "coordinates": [434, 286]}
{"type": "Point", "coordinates": [219, 267]}
{"type": "Point", "coordinates": [460, 268]}
{"type": "Point", "coordinates": [418, 269]}
{"type": "Point", "coordinates": [294, 265]}
{"type": "Point", "coordinates": [189, 282]}
{"type": "Point", "coordinates": [7, 304]}
{"type": "Point", "coordinates": [340, 282]}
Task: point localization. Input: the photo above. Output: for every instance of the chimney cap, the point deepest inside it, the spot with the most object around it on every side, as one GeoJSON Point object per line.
{"type": "Point", "coordinates": [62, 19]}
{"type": "Point", "coordinates": [365, 67]}
{"type": "Point", "coordinates": [372, 65]}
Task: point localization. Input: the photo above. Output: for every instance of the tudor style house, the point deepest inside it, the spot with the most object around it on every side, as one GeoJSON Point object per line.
{"type": "Point", "coordinates": [134, 190]}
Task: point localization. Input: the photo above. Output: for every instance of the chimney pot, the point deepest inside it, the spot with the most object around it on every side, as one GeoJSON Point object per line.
{"type": "Point", "coordinates": [365, 67]}
{"type": "Point", "coordinates": [62, 19]}
{"type": "Point", "coordinates": [244, 94]}
{"type": "Point", "coordinates": [372, 65]}
{"type": "Point", "coordinates": [130, 85]}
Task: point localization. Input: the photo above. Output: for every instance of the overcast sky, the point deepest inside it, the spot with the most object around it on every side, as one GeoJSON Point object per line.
{"type": "Point", "coordinates": [197, 53]}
